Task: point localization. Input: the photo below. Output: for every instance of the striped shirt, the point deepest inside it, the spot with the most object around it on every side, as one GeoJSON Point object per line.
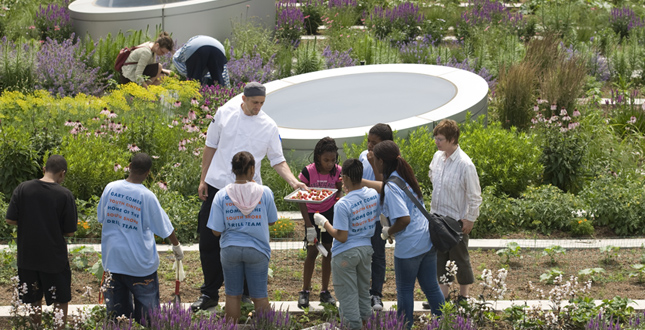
{"type": "Point", "coordinates": [455, 186]}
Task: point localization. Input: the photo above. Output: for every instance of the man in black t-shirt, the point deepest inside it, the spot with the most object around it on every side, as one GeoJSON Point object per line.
{"type": "Point", "coordinates": [45, 212]}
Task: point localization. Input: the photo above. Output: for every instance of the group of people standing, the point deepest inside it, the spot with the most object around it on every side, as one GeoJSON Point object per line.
{"type": "Point", "coordinates": [237, 211]}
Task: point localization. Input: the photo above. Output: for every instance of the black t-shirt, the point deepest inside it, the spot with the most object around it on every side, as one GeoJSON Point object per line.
{"type": "Point", "coordinates": [44, 212]}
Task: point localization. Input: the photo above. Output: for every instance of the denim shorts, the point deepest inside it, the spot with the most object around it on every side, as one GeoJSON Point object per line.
{"type": "Point", "coordinates": [239, 263]}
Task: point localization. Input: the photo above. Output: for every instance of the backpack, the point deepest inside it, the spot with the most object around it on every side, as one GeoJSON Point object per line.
{"type": "Point", "coordinates": [122, 57]}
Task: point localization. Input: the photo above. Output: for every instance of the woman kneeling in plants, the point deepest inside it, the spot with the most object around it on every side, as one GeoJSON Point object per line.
{"type": "Point", "coordinates": [414, 257]}
{"type": "Point", "coordinates": [242, 213]}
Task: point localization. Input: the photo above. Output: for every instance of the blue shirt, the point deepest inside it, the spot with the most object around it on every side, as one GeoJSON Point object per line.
{"type": "Point", "coordinates": [368, 171]}
{"type": "Point", "coordinates": [356, 213]}
{"type": "Point", "coordinates": [415, 238]}
{"type": "Point", "coordinates": [131, 215]}
{"type": "Point", "coordinates": [189, 48]}
{"type": "Point", "coordinates": [239, 230]}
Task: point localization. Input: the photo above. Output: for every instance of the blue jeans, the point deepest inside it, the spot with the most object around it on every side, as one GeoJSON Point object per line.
{"type": "Point", "coordinates": [120, 292]}
{"type": "Point", "coordinates": [423, 268]}
{"type": "Point", "coordinates": [378, 261]}
{"type": "Point", "coordinates": [240, 263]}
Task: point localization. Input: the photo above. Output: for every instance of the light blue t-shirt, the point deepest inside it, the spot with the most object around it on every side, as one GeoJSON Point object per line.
{"type": "Point", "coordinates": [356, 213]}
{"type": "Point", "coordinates": [415, 238]}
{"type": "Point", "coordinates": [368, 171]}
{"type": "Point", "coordinates": [189, 48]}
{"type": "Point", "coordinates": [131, 215]}
{"type": "Point", "coordinates": [239, 230]}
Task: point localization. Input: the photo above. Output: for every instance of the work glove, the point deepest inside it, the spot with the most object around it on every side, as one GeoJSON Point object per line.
{"type": "Point", "coordinates": [384, 233]}
{"type": "Point", "coordinates": [320, 220]}
{"type": "Point", "coordinates": [176, 250]}
{"type": "Point", "coordinates": [311, 235]}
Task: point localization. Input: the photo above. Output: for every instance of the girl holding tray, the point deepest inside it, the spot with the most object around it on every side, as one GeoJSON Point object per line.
{"type": "Point", "coordinates": [324, 172]}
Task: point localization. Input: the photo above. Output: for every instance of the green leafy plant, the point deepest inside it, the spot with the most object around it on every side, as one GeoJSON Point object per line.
{"type": "Point", "coordinates": [609, 254]}
{"type": "Point", "coordinates": [546, 208]}
{"type": "Point", "coordinates": [639, 272]}
{"type": "Point", "coordinates": [512, 250]}
{"type": "Point", "coordinates": [593, 274]}
{"type": "Point", "coordinates": [505, 159]}
{"type": "Point", "coordinates": [552, 252]}
{"type": "Point", "coordinates": [80, 260]}
{"type": "Point", "coordinates": [550, 276]}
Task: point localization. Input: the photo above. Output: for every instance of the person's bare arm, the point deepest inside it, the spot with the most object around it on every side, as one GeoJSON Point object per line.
{"type": "Point", "coordinates": [173, 238]}
{"type": "Point", "coordinates": [11, 222]}
{"type": "Point", "coordinates": [216, 233]}
{"type": "Point", "coordinates": [206, 163]}
{"type": "Point", "coordinates": [376, 185]}
{"type": "Point", "coordinates": [68, 234]}
{"type": "Point", "coordinates": [305, 215]}
{"type": "Point", "coordinates": [340, 235]}
{"type": "Point", "coordinates": [285, 172]}
{"type": "Point", "coordinates": [399, 225]}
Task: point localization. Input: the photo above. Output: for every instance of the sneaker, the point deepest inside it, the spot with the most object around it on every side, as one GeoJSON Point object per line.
{"type": "Point", "coordinates": [377, 304]}
{"type": "Point", "coordinates": [325, 297]}
{"type": "Point", "coordinates": [203, 303]}
{"type": "Point", "coordinates": [303, 299]}
{"type": "Point", "coordinates": [425, 305]}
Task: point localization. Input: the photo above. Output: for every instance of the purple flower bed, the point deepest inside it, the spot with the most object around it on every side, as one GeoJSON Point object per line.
{"type": "Point", "coordinates": [54, 22]}
{"type": "Point", "coordinates": [337, 59]}
{"type": "Point", "coordinates": [290, 22]}
{"type": "Point", "coordinates": [62, 71]}
{"type": "Point", "coordinates": [623, 20]}
{"type": "Point", "coordinates": [249, 68]}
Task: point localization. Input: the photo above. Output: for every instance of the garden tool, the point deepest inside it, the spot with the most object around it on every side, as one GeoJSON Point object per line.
{"type": "Point", "coordinates": [319, 245]}
{"type": "Point", "coordinates": [180, 275]}
{"type": "Point", "coordinates": [385, 222]}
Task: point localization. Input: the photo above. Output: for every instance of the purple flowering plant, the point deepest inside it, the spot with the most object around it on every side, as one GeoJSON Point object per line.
{"type": "Point", "coordinates": [400, 23]}
{"type": "Point", "coordinates": [290, 22]}
{"type": "Point", "coordinates": [53, 22]}
{"type": "Point", "coordinates": [250, 68]}
{"type": "Point", "coordinates": [623, 20]}
{"type": "Point", "coordinates": [563, 145]}
{"type": "Point", "coordinates": [63, 72]}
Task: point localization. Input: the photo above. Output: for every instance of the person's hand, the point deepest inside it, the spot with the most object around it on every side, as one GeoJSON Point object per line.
{"type": "Point", "coordinates": [467, 226]}
{"type": "Point", "coordinates": [384, 233]}
{"type": "Point", "coordinates": [203, 191]}
{"type": "Point", "coordinates": [320, 220]}
{"type": "Point", "coordinates": [311, 235]}
{"type": "Point", "coordinates": [299, 185]}
{"type": "Point", "coordinates": [370, 157]}
{"type": "Point", "coordinates": [176, 250]}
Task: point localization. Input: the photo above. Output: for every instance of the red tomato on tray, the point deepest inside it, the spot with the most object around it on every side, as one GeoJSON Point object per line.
{"type": "Point", "coordinates": [313, 196]}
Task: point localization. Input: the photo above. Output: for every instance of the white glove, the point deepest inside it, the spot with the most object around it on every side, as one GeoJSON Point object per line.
{"type": "Point", "coordinates": [311, 235]}
{"type": "Point", "coordinates": [176, 250]}
{"type": "Point", "coordinates": [320, 220]}
{"type": "Point", "coordinates": [384, 233]}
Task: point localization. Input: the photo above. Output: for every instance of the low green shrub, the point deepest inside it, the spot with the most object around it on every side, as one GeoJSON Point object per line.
{"type": "Point", "coordinates": [282, 228]}
{"type": "Point", "coordinates": [498, 215]}
{"type": "Point", "coordinates": [92, 163]}
{"type": "Point", "coordinates": [19, 161]}
{"type": "Point", "coordinates": [181, 210]}
{"type": "Point", "coordinates": [505, 159]}
{"type": "Point", "coordinates": [617, 202]}
{"type": "Point", "coordinates": [547, 208]}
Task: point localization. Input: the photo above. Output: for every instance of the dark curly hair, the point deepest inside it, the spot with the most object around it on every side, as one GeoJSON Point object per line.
{"type": "Point", "coordinates": [325, 144]}
{"type": "Point", "coordinates": [242, 162]}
